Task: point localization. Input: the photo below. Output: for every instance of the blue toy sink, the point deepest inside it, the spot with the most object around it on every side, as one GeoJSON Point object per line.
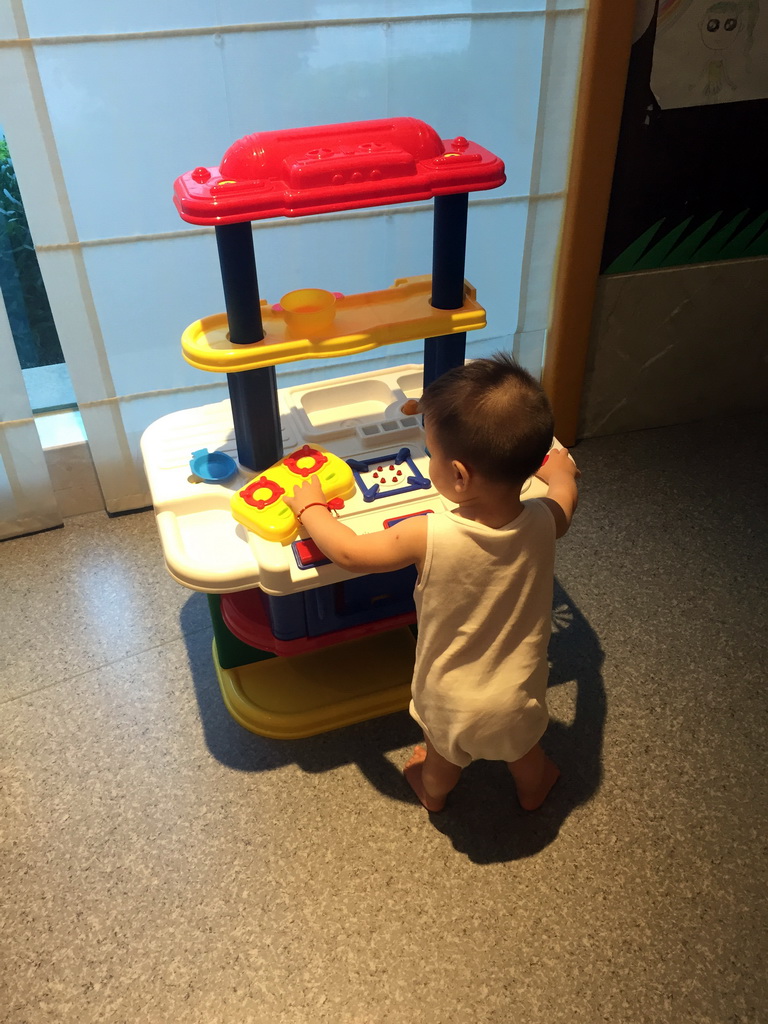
{"type": "Point", "coordinates": [213, 467]}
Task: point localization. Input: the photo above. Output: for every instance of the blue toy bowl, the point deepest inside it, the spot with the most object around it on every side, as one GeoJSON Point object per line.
{"type": "Point", "coordinates": [213, 467]}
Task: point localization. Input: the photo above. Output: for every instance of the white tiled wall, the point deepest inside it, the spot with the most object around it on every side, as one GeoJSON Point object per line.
{"type": "Point", "coordinates": [47, 18]}
{"type": "Point", "coordinates": [129, 116]}
{"type": "Point", "coordinates": [129, 96]}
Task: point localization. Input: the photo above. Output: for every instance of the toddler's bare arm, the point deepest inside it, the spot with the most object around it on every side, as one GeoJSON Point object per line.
{"type": "Point", "coordinates": [559, 472]}
{"type": "Point", "coordinates": [383, 551]}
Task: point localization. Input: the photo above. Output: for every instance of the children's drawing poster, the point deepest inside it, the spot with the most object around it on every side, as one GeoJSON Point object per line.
{"type": "Point", "coordinates": [689, 182]}
{"type": "Point", "coordinates": [710, 51]}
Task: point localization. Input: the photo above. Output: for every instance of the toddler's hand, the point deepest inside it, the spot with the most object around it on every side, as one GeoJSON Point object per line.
{"type": "Point", "coordinates": [305, 494]}
{"type": "Point", "coordinates": [558, 461]}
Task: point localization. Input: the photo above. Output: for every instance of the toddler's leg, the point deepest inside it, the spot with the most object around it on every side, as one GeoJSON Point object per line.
{"type": "Point", "coordinates": [430, 776]}
{"type": "Point", "coordinates": [534, 774]}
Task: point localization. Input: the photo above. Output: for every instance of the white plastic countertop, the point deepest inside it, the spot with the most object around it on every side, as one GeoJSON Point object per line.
{"type": "Point", "coordinates": [358, 416]}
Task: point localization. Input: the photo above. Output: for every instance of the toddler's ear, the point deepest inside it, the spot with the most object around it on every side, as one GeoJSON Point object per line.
{"type": "Point", "coordinates": [411, 407]}
{"type": "Point", "coordinates": [461, 476]}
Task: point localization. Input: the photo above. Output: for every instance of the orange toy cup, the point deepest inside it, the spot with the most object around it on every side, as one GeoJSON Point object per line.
{"type": "Point", "coordinates": [308, 311]}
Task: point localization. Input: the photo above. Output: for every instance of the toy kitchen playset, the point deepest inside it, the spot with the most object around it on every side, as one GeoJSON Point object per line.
{"type": "Point", "coordinates": [300, 645]}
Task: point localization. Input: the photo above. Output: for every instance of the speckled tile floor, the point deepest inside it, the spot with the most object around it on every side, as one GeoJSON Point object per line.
{"type": "Point", "coordinates": [159, 863]}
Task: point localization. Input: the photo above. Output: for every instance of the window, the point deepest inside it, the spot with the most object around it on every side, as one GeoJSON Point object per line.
{"type": "Point", "coordinates": [26, 302]}
{"type": "Point", "coordinates": [98, 146]}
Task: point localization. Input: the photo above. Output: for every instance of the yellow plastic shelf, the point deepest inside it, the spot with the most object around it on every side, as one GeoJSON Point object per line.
{"type": "Point", "coordinates": [290, 698]}
{"type": "Point", "coordinates": [362, 322]}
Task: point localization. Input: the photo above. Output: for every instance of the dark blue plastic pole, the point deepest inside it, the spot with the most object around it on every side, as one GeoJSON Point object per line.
{"type": "Point", "coordinates": [253, 393]}
{"type": "Point", "coordinates": [449, 242]}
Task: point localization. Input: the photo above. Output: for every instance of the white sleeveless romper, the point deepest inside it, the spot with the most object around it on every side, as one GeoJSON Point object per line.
{"type": "Point", "coordinates": [484, 605]}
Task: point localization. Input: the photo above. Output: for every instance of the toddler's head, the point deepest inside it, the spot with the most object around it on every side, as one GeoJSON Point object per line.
{"type": "Point", "coordinates": [493, 416]}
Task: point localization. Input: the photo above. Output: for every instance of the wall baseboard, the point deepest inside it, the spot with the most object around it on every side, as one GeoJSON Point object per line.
{"type": "Point", "coordinates": [74, 479]}
{"type": "Point", "coordinates": [676, 345]}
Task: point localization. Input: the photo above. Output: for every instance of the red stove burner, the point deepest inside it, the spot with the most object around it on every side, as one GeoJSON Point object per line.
{"type": "Point", "coordinates": [292, 461]}
{"type": "Point", "coordinates": [263, 483]}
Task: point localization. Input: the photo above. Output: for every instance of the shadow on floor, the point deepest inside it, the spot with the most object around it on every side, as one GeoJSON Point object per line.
{"type": "Point", "coordinates": [482, 819]}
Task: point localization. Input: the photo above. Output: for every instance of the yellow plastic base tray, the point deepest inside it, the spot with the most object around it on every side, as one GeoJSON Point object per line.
{"type": "Point", "coordinates": [290, 698]}
{"type": "Point", "coordinates": [362, 322]}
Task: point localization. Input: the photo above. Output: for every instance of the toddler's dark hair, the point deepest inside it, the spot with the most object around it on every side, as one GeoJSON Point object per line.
{"type": "Point", "coordinates": [492, 415]}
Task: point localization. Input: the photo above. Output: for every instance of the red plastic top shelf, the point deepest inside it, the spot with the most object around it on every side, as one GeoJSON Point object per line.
{"type": "Point", "coordinates": [301, 171]}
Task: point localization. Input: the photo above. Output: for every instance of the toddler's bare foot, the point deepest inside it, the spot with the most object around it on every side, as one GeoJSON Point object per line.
{"type": "Point", "coordinates": [412, 773]}
{"type": "Point", "coordinates": [534, 775]}
{"type": "Point", "coordinates": [532, 798]}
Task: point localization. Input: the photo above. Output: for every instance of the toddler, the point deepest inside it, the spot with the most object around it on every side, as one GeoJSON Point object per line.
{"type": "Point", "coordinates": [486, 572]}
